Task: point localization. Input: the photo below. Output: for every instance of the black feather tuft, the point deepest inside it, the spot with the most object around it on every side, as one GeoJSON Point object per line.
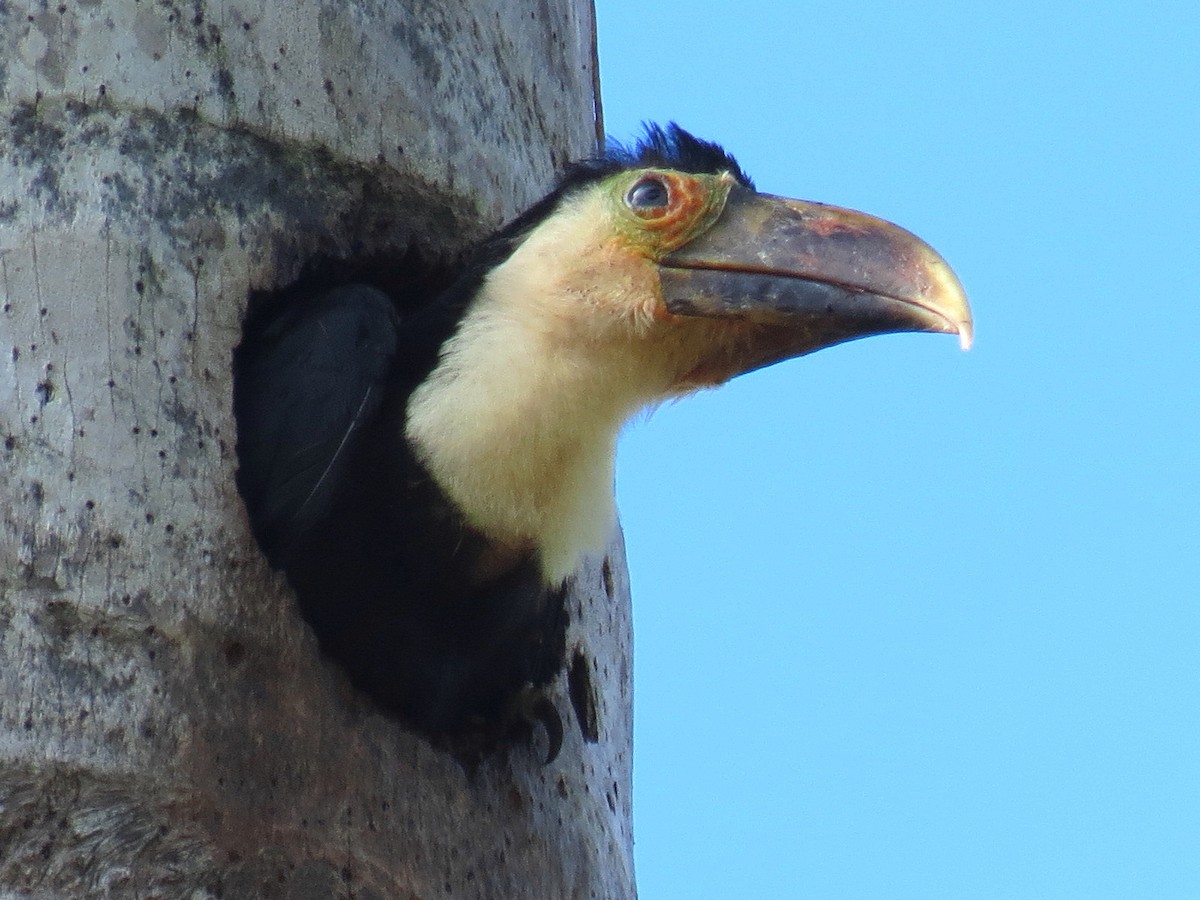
{"type": "Point", "coordinates": [674, 148]}
{"type": "Point", "coordinates": [661, 148]}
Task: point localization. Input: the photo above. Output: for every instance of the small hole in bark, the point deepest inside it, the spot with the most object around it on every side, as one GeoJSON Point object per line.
{"type": "Point", "coordinates": [583, 697]}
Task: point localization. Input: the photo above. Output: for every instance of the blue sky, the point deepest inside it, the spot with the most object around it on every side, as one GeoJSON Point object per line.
{"type": "Point", "coordinates": [914, 623]}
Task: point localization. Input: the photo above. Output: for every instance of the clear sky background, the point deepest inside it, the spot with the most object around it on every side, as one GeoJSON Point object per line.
{"type": "Point", "coordinates": [914, 623]}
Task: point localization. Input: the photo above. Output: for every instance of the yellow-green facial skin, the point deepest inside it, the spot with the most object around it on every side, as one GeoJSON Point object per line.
{"type": "Point", "coordinates": [693, 204]}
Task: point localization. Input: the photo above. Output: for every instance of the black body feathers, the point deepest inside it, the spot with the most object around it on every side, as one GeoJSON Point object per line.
{"type": "Point", "coordinates": [378, 558]}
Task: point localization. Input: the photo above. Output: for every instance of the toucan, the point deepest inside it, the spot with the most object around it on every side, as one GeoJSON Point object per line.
{"type": "Point", "coordinates": [429, 472]}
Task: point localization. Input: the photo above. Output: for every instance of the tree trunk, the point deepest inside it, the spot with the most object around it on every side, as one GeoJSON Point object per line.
{"type": "Point", "coordinates": [167, 725]}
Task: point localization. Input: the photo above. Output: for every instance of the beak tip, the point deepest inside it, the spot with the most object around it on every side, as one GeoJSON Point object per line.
{"type": "Point", "coordinates": [966, 336]}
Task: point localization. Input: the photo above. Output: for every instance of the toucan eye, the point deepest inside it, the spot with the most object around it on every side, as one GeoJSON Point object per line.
{"type": "Point", "coordinates": [648, 195]}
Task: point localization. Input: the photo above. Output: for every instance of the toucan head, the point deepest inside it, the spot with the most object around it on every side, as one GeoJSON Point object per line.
{"type": "Point", "coordinates": [669, 245]}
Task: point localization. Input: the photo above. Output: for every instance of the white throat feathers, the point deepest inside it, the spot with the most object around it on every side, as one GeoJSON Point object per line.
{"type": "Point", "coordinates": [518, 422]}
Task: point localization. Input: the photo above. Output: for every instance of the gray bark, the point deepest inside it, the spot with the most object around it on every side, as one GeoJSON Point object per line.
{"type": "Point", "coordinates": [167, 725]}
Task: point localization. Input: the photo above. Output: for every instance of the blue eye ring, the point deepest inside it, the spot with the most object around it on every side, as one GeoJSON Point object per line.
{"type": "Point", "coordinates": [648, 194]}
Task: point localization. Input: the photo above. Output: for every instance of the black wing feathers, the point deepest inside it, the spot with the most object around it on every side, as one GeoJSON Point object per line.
{"type": "Point", "coordinates": [304, 390]}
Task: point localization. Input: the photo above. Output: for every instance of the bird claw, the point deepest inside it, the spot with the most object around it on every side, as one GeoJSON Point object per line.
{"type": "Point", "coordinates": [532, 707]}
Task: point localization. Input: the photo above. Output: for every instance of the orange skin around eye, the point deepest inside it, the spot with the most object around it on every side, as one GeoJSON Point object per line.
{"type": "Point", "coordinates": [644, 236]}
{"type": "Point", "coordinates": [674, 225]}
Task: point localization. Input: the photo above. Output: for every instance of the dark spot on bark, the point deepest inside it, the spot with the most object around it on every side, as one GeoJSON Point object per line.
{"type": "Point", "coordinates": [583, 697]}
{"type": "Point", "coordinates": [235, 652]}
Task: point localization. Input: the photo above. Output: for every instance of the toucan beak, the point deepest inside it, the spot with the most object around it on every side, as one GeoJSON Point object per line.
{"type": "Point", "coordinates": [811, 276]}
